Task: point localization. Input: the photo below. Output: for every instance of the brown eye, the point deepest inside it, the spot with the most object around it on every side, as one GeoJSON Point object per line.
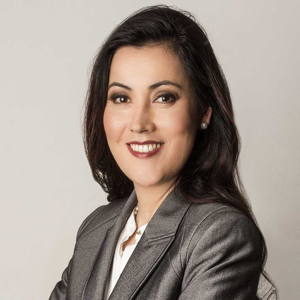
{"type": "Point", "coordinates": [118, 98]}
{"type": "Point", "coordinates": [167, 98]}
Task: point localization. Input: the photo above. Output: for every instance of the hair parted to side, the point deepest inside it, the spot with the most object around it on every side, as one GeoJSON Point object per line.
{"type": "Point", "coordinates": [211, 172]}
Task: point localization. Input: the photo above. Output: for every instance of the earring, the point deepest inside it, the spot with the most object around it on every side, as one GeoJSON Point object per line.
{"type": "Point", "coordinates": [203, 125]}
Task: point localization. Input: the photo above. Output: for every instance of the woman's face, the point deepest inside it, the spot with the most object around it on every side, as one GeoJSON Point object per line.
{"type": "Point", "coordinates": [149, 100]}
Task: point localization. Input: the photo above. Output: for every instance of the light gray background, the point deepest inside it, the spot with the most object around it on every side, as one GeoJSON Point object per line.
{"type": "Point", "coordinates": [46, 185]}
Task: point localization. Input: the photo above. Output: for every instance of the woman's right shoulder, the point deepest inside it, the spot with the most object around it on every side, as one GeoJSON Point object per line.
{"type": "Point", "coordinates": [101, 215]}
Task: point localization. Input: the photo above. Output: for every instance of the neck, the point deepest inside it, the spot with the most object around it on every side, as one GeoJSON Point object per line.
{"type": "Point", "coordinates": [149, 200]}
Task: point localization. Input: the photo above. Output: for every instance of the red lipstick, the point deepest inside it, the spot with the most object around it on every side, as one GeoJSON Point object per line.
{"type": "Point", "coordinates": [144, 154]}
{"type": "Point", "coordinates": [145, 143]}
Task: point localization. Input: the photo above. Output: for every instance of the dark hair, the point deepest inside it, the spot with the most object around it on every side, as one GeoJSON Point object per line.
{"type": "Point", "coordinates": [211, 172]}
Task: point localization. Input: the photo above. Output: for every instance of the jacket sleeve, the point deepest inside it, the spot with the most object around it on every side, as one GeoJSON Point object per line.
{"type": "Point", "coordinates": [224, 258]}
{"type": "Point", "coordinates": [266, 289]}
{"type": "Point", "coordinates": [60, 290]}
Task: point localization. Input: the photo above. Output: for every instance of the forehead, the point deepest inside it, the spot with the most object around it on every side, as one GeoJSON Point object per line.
{"type": "Point", "coordinates": [145, 65]}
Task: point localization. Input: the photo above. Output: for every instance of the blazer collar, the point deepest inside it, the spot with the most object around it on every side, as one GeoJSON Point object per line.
{"type": "Point", "coordinates": [154, 243]}
{"type": "Point", "coordinates": [166, 219]}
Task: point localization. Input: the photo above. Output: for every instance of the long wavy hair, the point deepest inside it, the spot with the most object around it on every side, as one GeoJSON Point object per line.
{"type": "Point", "coordinates": [211, 172]}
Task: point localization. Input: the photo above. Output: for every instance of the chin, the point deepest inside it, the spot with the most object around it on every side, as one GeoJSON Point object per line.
{"type": "Point", "coordinates": [145, 183]}
{"type": "Point", "coordinates": [145, 180]}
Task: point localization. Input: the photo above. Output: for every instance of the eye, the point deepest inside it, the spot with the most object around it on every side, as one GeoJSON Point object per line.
{"type": "Point", "coordinates": [118, 98]}
{"type": "Point", "coordinates": [167, 98]}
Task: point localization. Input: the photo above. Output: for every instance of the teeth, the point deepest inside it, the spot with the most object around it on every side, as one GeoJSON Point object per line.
{"type": "Point", "coordinates": [144, 148]}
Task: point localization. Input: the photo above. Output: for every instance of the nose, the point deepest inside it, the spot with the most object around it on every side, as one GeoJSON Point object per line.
{"type": "Point", "coordinates": [141, 118]}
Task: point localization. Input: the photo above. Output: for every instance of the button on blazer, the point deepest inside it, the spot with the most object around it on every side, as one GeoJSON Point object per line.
{"type": "Point", "coordinates": [188, 251]}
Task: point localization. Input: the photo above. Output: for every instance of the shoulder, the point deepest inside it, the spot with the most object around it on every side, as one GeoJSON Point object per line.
{"type": "Point", "coordinates": [216, 223]}
{"type": "Point", "coordinates": [221, 252]}
{"type": "Point", "coordinates": [205, 214]}
{"type": "Point", "coordinates": [101, 215]}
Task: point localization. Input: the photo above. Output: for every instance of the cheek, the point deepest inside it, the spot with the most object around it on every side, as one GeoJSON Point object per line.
{"type": "Point", "coordinates": [180, 124]}
{"type": "Point", "coordinates": [112, 124]}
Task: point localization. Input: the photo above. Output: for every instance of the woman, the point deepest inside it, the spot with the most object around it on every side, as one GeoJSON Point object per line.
{"type": "Point", "coordinates": [161, 140]}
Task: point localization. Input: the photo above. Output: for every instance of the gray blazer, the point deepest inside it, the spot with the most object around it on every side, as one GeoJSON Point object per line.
{"type": "Point", "coordinates": [187, 251]}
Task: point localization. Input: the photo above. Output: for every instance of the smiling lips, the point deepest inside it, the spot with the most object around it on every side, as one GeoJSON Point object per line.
{"type": "Point", "coordinates": [144, 149]}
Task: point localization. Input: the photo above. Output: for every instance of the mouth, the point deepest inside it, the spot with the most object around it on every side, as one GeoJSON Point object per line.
{"type": "Point", "coordinates": [145, 149]}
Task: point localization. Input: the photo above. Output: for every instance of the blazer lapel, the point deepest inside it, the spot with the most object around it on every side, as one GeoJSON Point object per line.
{"type": "Point", "coordinates": [97, 281]}
{"type": "Point", "coordinates": [156, 240]}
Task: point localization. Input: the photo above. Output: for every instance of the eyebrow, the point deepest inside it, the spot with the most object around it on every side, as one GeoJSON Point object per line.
{"type": "Point", "coordinates": [151, 87]}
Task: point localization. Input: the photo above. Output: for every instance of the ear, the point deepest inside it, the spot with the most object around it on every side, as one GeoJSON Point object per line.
{"type": "Point", "coordinates": [205, 117]}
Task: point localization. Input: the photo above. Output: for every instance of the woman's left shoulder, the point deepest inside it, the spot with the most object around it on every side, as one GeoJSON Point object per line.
{"type": "Point", "coordinates": [216, 212]}
{"type": "Point", "coordinates": [222, 253]}
{"type": "Point", "coordinates": [217, 221]}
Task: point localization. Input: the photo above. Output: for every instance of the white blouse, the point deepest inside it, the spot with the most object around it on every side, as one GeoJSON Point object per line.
{"type": "Point", "coordinates": [121, 257]}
